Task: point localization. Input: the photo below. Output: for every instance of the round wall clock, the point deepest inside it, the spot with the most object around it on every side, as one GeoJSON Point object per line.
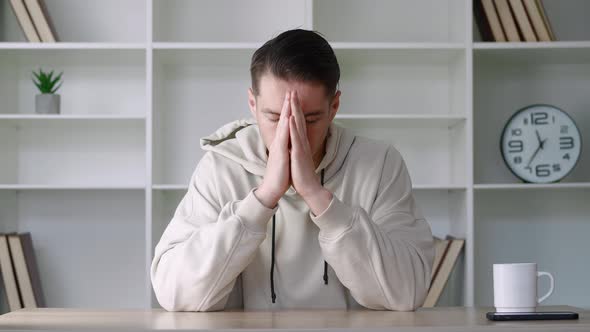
{"type": "Point", "coordinates": [540, 144]}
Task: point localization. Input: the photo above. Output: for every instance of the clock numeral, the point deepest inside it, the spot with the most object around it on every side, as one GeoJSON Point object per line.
{"type": "Point", "coordinates": [543, 170]}
{"type": "Point", "coordinates": [566, 143]}
{"type": "Point", "coordinates": [566, 156]}
{"type": "Point", "coordinates": [517, 160]}
{"type": "Point", "coordinates": [563, 129]}
{"type": "Point", "coordinates": [556, 167]}
{"type": "Point", "coordinates": [516, 132]}
{"type": "Point", "coordinates": [526, 121]}
{"type": "Point", "coordinates": [515, 146]}
{"type": "Point", "coordinates": [539, 118]}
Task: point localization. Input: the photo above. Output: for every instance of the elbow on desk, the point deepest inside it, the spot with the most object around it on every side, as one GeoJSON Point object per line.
{"type": "Point", "coordinates": [170, 297]}
{"type": "Point", "coordinates": [165, 294]}
{"type": "Point", "coordinates": [169, 302]}
{"type": "Point", "coordinates": [165, 287]}
{"type": "Point", "coordinates": [387, 307]}
{"type": "Point", "coordinates": [175, 306]}
{"type": "Point", "coordinates": [174, 295]}
{"type": "Point", "coordinates": [410, 299]}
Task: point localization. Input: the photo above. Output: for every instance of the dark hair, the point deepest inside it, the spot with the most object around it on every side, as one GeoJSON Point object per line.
{"type": "Point", "coordinates": [299, 55]}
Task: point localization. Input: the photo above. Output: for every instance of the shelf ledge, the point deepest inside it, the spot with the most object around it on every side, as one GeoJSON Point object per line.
{"type": "Point", "coordinates": [72, 46]}
{"type": "Point", "coordinates": [520, 186]}
{"type": "Point", "coordinates": [531, 45]}
{"type": "Point", "coordinates": [335, 45]}
{"type": "Point", "coordinates": [70, 117]}
{"type": "Point", "coordinates": [67, 187]}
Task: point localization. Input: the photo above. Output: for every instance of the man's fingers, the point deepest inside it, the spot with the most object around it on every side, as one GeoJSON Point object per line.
{"type": "Point", "coordinates": [301, 125]}
{"type": "Point", "coordinates": [283, 116]}
{"type": "Point", "coordinates": [299, 118]}
{"type": "Point", "coordinates": [293, 132]}
{"type": "Point", "coordinates": [282, 130]}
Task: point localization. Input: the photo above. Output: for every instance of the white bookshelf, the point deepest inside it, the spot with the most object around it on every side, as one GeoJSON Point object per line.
{"type": "Point", "coordinates": [145, 79]}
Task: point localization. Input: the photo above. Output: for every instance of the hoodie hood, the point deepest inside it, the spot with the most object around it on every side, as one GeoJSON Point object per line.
{"type": "Point", "coordinates": [241, 142]}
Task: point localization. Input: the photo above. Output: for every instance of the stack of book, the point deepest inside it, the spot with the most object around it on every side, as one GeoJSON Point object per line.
{"type": "Point", "coordinates": [512, 20]}
{"type": "Point", "coordinates": [446, 253]}
{"type": "Point", "coordinates": [20, 274]}
{"type": "Point", "coordinates": [34, 20]}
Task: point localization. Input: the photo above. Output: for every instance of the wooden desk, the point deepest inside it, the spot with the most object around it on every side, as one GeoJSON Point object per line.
{"type": "Point", "coordinates": [424, 319]}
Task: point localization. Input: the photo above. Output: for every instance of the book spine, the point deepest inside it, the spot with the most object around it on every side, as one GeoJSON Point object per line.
{"type": "Point", "coordinates": [522, 20]}
{"type": "Point", "coordinates": [482, 22]}
{"type": "Point", "coordinates": [22, 274]}
{"type": "Point", "coordinates": [537, 20]}
{"type": "Point", "coordinates": [24, 20]}
{"type": "Point", "coordinates": [507, 20]}
{"type": "Point", "coordinates": [31, 260]}
{"type": "Point", "coordinates": [40, 18]}
{"type": "Point", "coordinates": [494, 20]}
{"type": "Point", "coordinates": [8, 275]}
{"type": "Point", "coordinates": [545, 19]}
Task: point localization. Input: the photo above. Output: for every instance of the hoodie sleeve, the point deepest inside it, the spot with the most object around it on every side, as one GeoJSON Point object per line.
{"type": "Point", "coordinates": [383, 257]}
{"type": "Point", "coordinates": [206, 246]}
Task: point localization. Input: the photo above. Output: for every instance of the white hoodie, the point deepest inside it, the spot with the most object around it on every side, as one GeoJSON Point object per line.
{"type": "Point", "coordinates": [216, 251]}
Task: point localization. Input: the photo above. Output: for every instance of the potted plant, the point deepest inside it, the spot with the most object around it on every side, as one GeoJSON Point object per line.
{"type": "Point", "coordinates": [47, 102]}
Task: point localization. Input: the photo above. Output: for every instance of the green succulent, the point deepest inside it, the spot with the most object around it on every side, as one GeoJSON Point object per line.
{"type": "Point", "coordinates": [45, 81]}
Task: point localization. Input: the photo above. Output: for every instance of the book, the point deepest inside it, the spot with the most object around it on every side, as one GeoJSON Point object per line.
{"type": "Point", "coordinates": [487, 21]}
{"type": "Point", "coordinates": [440, 249]}
{"type": "Point", "coordinates": [24, 20]}
{"type": "Point", "coordinates": [27, 273]}
{"type": "Point", "coordinates": [482, 22]}
{"type": "Point", "coordinates": [522, 19]}
{"type": "Point", "coordinates": [540, 20]}
{"type": "Point", "coordinates": [8, 277]}
{"type": "Point", "coordinates": [537, 21]}
{"type": "Point", "coordinates": [507, 20]}
{"type": "Point", "coordinates": [41, 19]}
{"type": "Point", "coordinates": [446, 267]}
{"type": "Point", "coordinates": [545, 19]}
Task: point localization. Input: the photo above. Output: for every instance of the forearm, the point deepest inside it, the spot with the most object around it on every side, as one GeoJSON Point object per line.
{"type": "Point", "coordinates": [383, 268]}
{"type": "Point", "coordinates": [194, 268]}
{"type": "Point", "coordinates": [319, 202]}
{"type": "Point", "coordinates": [266, 196]}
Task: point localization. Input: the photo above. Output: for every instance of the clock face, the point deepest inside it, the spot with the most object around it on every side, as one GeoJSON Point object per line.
{"type": "Point", "coordinates": [541, 144]}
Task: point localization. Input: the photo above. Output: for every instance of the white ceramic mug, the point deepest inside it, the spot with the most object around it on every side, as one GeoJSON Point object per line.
{"type": "Point", "coordinates": [515, 287]}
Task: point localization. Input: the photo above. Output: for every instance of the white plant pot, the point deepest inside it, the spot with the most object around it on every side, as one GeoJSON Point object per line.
{"type": "Point", "coordinates": [47, 103]}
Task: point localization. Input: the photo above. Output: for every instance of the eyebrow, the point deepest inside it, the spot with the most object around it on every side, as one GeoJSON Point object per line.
{"type": "Point", "coordinates": [266, 110]}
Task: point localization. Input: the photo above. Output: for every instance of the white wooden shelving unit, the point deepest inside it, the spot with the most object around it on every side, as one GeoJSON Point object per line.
{"type": "Point", "coordinates": [145, 79]}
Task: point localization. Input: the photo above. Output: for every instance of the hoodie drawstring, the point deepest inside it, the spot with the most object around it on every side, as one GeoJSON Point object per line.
{"type": "Point", "coordinates": [325, 263]}
{"type": "Point", "coordinates": [272, 262]}
{"type": "Point", "coordinates": [272, 257]}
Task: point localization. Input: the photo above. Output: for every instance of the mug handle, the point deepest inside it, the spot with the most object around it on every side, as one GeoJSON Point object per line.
{"type": "Point", "coordinates": [552, 283]}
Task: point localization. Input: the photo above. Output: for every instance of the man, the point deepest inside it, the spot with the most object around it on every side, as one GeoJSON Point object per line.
{"type": "Point", "coordinates": [287, 210]}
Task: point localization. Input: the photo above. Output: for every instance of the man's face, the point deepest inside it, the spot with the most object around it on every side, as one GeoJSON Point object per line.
{"type": "Point", "coordinates": [317, 108]}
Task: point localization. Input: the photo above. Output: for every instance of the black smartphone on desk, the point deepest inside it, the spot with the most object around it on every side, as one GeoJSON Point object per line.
{"type": "Point", "coordinates": [537, 315]}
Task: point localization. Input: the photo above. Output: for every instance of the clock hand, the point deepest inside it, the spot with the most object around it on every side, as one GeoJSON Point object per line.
{"type": "Point", "coordinates": [534, 154]}
{"type": "Point", "coordinates": [541, 142]}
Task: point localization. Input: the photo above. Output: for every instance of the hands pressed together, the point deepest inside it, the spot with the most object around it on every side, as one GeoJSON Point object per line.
{"type": "Point", "coordinates": [290, 161]}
